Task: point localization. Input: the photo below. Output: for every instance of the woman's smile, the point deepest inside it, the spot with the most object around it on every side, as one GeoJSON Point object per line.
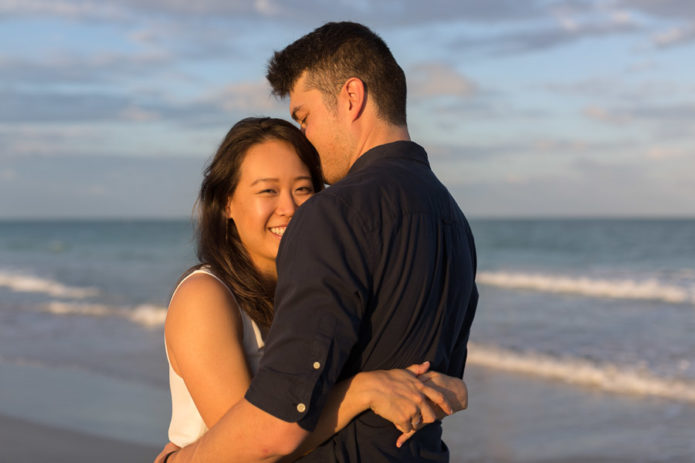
{"type": "Point", "coordinates": [273, 183]}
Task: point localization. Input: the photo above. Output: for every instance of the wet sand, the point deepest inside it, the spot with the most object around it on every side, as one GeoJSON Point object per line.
{"type": "Point", "coordinates": [25, 442]}
{"type": "Point", "coordinates": [512, 418]}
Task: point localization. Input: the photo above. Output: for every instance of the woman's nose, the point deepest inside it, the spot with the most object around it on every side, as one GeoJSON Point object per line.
{"type": "Point", "coordinates": [286, 205]}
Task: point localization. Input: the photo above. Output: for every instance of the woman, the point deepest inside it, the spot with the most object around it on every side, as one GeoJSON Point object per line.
{"type": "Point", "coordinates": [219, 312]}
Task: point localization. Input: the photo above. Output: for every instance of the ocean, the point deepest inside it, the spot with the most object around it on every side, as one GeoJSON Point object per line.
{"type": "Point", "coordinates": [582, 347]}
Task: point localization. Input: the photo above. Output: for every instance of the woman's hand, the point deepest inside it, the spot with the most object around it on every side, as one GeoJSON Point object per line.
{"type": "Point", "coordinates": [452, 387]}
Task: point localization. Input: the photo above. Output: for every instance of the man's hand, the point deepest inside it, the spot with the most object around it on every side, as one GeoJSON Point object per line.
{"type": "Point", "coordinates": [453, 389]}
{"type": "Point", "coordinates": [403, 399]}
{"type": "Point", "coordinates": [169, 448]}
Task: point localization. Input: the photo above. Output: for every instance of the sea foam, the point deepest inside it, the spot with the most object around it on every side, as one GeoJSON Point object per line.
{"type": "Point", "coordinates": [145, 314]}
{"type": "Point", "coordinates": [650, 289]}
{"type": "Point", "coordinates": [31, 284]}
{"type": "Point", "coordinates": [606, 377]}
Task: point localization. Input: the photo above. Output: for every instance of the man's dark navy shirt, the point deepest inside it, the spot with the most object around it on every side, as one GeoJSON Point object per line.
{"type": "Point", "coordinates": [375, 272]}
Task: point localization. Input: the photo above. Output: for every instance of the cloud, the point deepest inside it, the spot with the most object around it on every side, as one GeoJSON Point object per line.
{"type": "Point", "coordinates": [682, 11]}
{"type": "Point", "coordinates": [69, 9]}
{"type": "Point", "coordinates": [301, 11]}
{"type": "Point", "coordinates": [542, 37]}
{"type": "Point", "coordinates": [246, 97]}
{"type": "Point", "coordinates": [135, 113]}
{"type": "Point", "coordinates": [587, 188]}
{"type": "Point", "coordinates": [21, 107]}
{"type": "Point", "coordinates": [239, 99]}
{"type": "Point", "coordinates": [602, 114]}
{"type": "Point", "coordinates": [131, 10]}
{"type": "Point", "coordinates": [675, 36]}
{"type": "Point", "coordinates": [100, 186]}
{"type": "Point", "coordinates": [91, 69]}
{"type": "Point", "coordinates": [659, 153]}
{"type": "Point", "coordinates": [681, 112]}
{"type": "Point", "coordinates": [428, 80]}
{"type": "Point", "coordinates": [50, 140]}
{"type": "Point", "coordinates": [677, 9]}
{"type": "Point", "coordinates": [8, 175]}
{"type": "Point", "coordinates": [467, 152]}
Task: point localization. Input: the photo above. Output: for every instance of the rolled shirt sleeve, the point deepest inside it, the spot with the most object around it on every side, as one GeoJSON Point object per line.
{"type": "Point", "coordinates": [320, 302]}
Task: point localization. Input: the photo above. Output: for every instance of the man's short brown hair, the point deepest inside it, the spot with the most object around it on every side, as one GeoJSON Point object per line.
{"type": "Point", "coordinates": [331, 55]}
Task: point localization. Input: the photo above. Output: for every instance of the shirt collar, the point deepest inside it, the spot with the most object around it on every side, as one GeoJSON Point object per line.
{"type": "Point", "coordinates": [404, 149]}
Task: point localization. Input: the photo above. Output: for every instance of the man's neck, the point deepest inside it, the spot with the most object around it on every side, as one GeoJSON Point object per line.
{"type": "Point", "coordinates": [379, 134]}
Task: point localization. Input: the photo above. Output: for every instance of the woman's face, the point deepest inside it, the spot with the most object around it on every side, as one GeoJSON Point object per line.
{"type": "Point", "coordinates": [273, 182]}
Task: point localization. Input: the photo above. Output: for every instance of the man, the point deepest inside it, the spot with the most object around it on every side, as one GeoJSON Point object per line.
{"type": "Point", "coordinates": [376, 272]}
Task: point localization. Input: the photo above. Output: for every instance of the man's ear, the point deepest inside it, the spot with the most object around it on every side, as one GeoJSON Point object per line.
{"type": "Point", "coordinates": [355, 96]}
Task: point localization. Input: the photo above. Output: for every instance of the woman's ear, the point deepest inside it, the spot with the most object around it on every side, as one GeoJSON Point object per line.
{"type": "Point", "coordinates": [229, 209]}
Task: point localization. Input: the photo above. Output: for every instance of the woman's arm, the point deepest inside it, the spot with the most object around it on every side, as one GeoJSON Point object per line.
{"type": "Point", "coordinates": [204, 335]}
{"type": "Point", "coordinates": [204, 339]}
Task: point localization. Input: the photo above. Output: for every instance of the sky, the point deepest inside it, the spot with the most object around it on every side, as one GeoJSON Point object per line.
{"type": "Point", "coordinates": [533, 108]}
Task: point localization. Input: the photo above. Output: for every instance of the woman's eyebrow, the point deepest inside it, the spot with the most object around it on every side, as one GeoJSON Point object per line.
{"type": "Point", "coordinates": [267, 179]}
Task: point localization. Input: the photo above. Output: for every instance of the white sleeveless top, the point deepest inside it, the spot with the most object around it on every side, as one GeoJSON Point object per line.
{"type": "Point", "coordinates": [187, 425]}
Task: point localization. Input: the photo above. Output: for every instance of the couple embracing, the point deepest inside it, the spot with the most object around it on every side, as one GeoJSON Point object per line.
{"type": "Point", "coordinates": [336, 331]}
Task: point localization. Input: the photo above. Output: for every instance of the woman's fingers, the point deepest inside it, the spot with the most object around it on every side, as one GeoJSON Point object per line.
{"type": "Point", "coordinates": [427, 414]}
{"type": "Point", "coordinates": [433, 393]}
{"type": "Point", "coordinates": [403, 438]}
{"type": "Point", "coordinates": [454, 388]}
{"type": "Point", "coordinates": [414, 397]}
{"type": "Point", "coordinates": [419, 368]}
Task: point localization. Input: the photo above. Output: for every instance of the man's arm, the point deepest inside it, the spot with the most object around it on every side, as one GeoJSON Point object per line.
{"type": "Point", "coordinates": [320, 301]}
{"type": "Point", "coordinates": [244, 434]}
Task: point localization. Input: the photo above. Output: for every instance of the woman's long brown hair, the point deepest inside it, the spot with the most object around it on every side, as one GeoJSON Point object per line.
{"type": "Point", "coordinates": [219, 245]}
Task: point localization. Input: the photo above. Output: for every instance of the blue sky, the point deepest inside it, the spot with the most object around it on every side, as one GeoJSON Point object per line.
{"type": "Point", "coordinates": [527, 108]}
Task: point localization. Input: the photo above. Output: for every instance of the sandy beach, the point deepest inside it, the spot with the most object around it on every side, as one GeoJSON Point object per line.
{"type": "Point", "coordinates": [511, 418]}
{"type": "Point", "coordinates": [25, 442]}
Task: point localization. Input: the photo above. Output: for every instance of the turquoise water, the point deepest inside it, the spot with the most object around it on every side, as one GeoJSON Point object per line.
{"type": "Point", "coordinates": [599, 306]}
{"type": "Point", "coordinates": [617, 293]}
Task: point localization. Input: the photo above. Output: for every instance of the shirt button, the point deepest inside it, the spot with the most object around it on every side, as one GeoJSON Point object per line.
{"type": "Point", "coordinates": [301, 408]}
{"type": "Point", "coordinates": [317, 365]}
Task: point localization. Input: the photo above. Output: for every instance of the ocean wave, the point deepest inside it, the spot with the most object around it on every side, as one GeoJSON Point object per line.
{"type": "Point", "coordinates": [607, 377]}
{"type": "Point", "coordinates": [31, 284]}
{"type": "Point", "coordinates": [145, 314]}
{"type": "Point", "coordinates": [650, 289]}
